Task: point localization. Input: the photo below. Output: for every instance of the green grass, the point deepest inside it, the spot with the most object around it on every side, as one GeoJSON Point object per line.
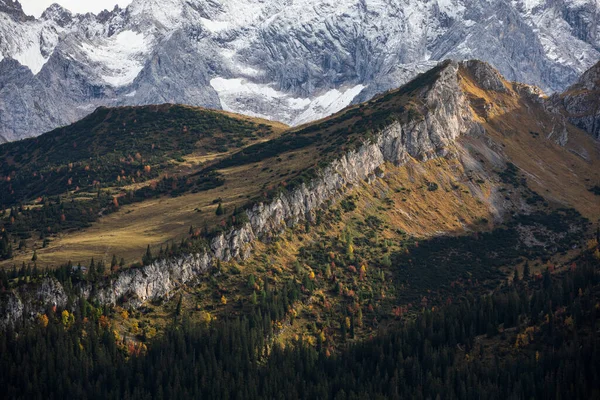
{"type": "Point", "coordinates": [115, 147]}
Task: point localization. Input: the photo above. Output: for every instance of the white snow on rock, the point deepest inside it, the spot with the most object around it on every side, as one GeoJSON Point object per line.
{"type": "Point", "coordinates": [327, 104]}
{"type": "Point", "coordinates": [288, 60]}
{"type": "Point", "coordinates": [121, 57]}
{"type": "Point", "coordinates": [237, 94]}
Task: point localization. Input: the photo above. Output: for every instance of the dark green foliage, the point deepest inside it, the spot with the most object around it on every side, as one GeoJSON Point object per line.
{"type": "Point", "coordinates": [444, 263]}
{"type": "Point", "coordinates": [147, 258]}
{"type": "Point", "coordinates": [348, 204]}
{"type": "Point", "coordinates": [112, 143]}
{"type": "Point", "coordinates": [6, 249]}
{"type": "Point", "coordinates": [439, 354]}
{"type": "Point", "coordinates": [432, 186]}
{"type": "Point", "coordinates": [58, 215]}
{"type": "Point", "coordinates": [511, 175]}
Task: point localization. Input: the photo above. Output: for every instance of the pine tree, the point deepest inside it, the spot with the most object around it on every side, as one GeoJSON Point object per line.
{"type": "Point", "coordinates": [220, 210]}
{"type": "Point", "coordinates": [147, 259]}
{"type": "Point", "coordinates": [526, 271]}
{"type": "Point", "coordinates": [179, 303]}
{"type": "Point", "coordinates": [34, 257]}
{"type": "Point", "coordinates": [100, 269]}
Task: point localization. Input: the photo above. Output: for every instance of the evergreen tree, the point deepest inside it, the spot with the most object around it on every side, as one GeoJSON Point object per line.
{"type": "Point", "coordinates": [526, 272]}
{"type": "Point", "coordinates": [147, 259]}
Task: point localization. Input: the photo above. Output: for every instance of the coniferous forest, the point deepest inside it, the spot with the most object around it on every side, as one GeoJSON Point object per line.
{"type": "Point", "coordinates": [532, 338]}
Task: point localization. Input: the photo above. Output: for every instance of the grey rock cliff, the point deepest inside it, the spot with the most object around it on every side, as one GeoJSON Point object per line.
{"type": "Point", "coordinates": [27, 301]}
{"type": "Point", "coordinates": [581, 102]}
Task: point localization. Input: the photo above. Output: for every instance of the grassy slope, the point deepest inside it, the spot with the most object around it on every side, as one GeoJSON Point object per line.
{"type": "Point", "coordinates": [256, 173]}
{"type": "Point", "coordinates": [113, 145]}
{"type": "Point", "coordinates": [465, 196]}
{"type": "Point", "coordinates": [109, 151]}
{"type": "Point", "coordinates": [519, 128]}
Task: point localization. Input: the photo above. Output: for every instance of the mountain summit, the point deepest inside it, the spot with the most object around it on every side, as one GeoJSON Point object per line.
{"type": "Point", "coordinates": [580, 103]}
{"type": "Point", "coordinates": [293, 61]}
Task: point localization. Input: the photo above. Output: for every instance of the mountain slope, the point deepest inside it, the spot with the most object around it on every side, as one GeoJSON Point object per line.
{"type": "Point", "coordinates": [69, 178]}
{"type": "Point", "coordinates": [113, 144]}
{"type": "Point", "coordinates": [260, 59]}
{"type": "Point", "coordinates": [580, 103]}
{"type": "Point", "coordinates": [457, 150]}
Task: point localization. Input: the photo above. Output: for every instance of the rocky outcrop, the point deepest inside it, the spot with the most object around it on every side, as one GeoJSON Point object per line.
{"type": "Point", "coordinates": [424, 138]}
{"type": "Point", "coordinates": [486, 77]}
{"type": "Point", "coordinates": [581, 102]}
{"type": "Point", "coordinates": [155, 281]}
{"type": "Point", "coordinates": [421, 139]}
{"type": "Point", "coordinates": [27, 301]}
{"type": "Point", "coordinates": [14, 10]}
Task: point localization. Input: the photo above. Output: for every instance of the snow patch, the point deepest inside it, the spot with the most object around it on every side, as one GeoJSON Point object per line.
{"type": "Point", "coordinates": [327, 104]}
{"type": "Point", "coordinates": [214, 26]}
{"type": "Point", "coordinates": [239, 86]}
{"type": "Point", "coordinates": [242, 96]}
{"type": "Point", "coordinates": [31, 57]}
{"type": "Point", "coordinates": [120, 56]}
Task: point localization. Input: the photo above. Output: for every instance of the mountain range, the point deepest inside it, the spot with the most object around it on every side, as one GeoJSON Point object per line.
{"type": "Point", "coordinates": [458, 149]}
{"type": "Point", "coordinates": [293, 61]}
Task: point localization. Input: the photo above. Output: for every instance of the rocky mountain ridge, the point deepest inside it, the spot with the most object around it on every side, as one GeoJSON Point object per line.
{"type": "Point", "coordinates": [580, 103]}
{"type": "Point", "coordinates": [259, 58]}
{"type": "Point", "coordinates": [449, 116]}
{"type": "Point", "coordinates": [422, 138]}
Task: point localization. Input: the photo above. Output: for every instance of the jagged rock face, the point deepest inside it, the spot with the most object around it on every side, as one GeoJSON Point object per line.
{"type": "Point", "coordinates": [28, 301]}
{"type": "Point", "coordinates": [487, 78]}
{"type": "Point", "coordinates": [152, 282]}
{"type": "Point", "coordinates": [581, 102]}
{"type": "Point", "coordinates": [422, 139]}
{"type": "Point", "coordinates": [292, 61]}
{"type": "Point", "coordinates": [14, 10]}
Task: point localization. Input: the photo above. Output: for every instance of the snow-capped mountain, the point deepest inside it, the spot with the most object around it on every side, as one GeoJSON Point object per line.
{"type": "Point", "coordinates": [290, 60]}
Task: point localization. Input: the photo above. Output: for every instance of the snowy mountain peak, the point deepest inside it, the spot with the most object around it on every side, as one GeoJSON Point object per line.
{"type": "Point", "coordinates": [293, 60]}
{"type": "Point", "coordinates": [57, 13]}
{"type": "Point", "coordinates": [14, 9]}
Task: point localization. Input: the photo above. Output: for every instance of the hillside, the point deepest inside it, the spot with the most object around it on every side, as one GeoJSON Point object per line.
{"type": "Point", "coordinates": [67, 179]}
{"type": "Point", "coordinates": [580, 103]}
{"type": "Point", "coordinates": [113, 146]}
{"type": "Point", "coordinates": [457, 150]}
{"type": "Point", "coordinates": [459, 209]}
